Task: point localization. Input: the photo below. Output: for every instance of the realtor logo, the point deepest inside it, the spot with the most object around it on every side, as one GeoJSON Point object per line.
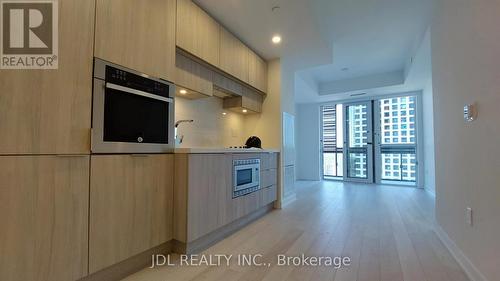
{"type": "Point", "coordinates": [29, 34]}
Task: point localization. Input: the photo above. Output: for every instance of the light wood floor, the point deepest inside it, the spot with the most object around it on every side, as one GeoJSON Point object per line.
{"type": "Point", "coordinates": [386, 231]}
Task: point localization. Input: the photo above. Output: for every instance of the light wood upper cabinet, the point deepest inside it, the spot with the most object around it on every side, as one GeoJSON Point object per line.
{"type": "Point", "coordinates": [250, 100]}
{"type": "Point", "coordinates": [137, 34]}
{"type": "Point", "coordinates": [193, 76]}
{"type": "Point", "coordinates": [43, 217]}
{"type": "Point", "coordinates": [257, 71]}
{"type": "Point", "coordinates": [130, 206]}
{"type": "Point", "coordinates": [48, 111]}
{"type": "Point", "coordinates": [197, 32]}
{"type": "Point", "coordinates": [233, 56]}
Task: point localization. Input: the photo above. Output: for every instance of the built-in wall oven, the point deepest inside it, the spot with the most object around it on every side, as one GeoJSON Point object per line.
{"type": "Point", "coordinates": [131, 112]}
{"type": "Point", "coordinates": [246, 176]}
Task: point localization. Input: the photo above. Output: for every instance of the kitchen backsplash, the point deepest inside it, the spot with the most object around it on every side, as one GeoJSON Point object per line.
{"type": "Point", "coordinates": [210, 127]}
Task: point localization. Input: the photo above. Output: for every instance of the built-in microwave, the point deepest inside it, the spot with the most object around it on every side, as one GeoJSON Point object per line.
{"type": "Point", "coordinates": [131, 112]}
{"type": "Point", "coordinates": [246, 176]}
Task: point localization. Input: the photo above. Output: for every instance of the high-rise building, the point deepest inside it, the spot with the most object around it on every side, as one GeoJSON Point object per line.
{"type": "Point", "coordinates": [398, 134]}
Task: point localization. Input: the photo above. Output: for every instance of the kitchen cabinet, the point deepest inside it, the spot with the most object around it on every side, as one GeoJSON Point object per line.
{"type": "Point", "coordinates": [227, 85]}
{"type": "Point", "coordinates": [233, 56]}
{"type": "Point", "coordinates": [137, 34]}
{"type": "Point", "coordinates": [269, 177]}
{"type": "Point", "coordinates": [193, 77]}
{"type": "Point", "coordinates": [203, 201]}
{"type": "Point", "coordinates": [197, 32]}
{"type": "Point", "coordinates": [130, 206]}
{"type": "Point", "coordinates": [257, 71]}
{"type": "Point", "coordinates": [268, 195]}
{"type": "Point", "coordinates": [43, 217]}
{"type": "Point", "coordinates": [203, 187]}
{"type": "Point", "coordinates": [48, 111]}
{"type": "Point", "coordinates": [269, 161]}
{"type": "Point", "coordinates": [250, 101]}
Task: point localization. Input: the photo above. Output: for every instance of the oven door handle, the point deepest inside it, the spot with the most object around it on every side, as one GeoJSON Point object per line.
{"type": "Point", "coordinates": [137, 92]}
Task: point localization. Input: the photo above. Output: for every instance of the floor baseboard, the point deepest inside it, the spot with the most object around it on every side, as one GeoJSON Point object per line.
{"type": "Point", "coordinates": [469, 268]}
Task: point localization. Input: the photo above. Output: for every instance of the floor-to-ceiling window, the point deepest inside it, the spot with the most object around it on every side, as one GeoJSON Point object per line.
{"type": "Point", "coordinates": [353, 150]}
{"type": "Point", "coordinates": [332, 141]}
{"type": "Point", "coordinates": [398, 139]}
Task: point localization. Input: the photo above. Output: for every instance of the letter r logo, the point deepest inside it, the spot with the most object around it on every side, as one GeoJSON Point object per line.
{"type": "Point", "coordinates": [27, 27]}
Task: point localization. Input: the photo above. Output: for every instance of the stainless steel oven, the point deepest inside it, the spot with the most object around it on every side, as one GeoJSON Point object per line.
{"type": "Point", "coordinates": [131, 112]}
{"type": "Point", "coordinates": [246, 176]}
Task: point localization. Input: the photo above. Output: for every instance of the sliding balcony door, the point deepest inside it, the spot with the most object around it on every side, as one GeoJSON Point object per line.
{"type": "Point", "coordinates": [358, 142]}
{"type": "Point", "coordinates": [371, 141]}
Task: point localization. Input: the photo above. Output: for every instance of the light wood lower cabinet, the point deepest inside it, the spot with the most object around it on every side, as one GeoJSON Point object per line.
{"type": "Point", "coordinates": [202, 194]}
{"type": "Point", "coordinates": [203, 199]}
{"type": "Point", "coordinates": [137, 34]}
{"type": "Point", "coordinates": [43, 217]}
{"type": "Point", "coordinates": [269, 178]}
{"type": "Point", "coordinates": [268, 195]}
{"type": "Point", "coordinates": [48, 111]}
{"type": "Point", "coordinates": [130, 206]}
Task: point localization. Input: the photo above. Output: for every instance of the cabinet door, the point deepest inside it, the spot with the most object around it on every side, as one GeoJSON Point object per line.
{"type": "Point", "coordinates": [48, 111]}
{"type": "Point", "coordinates": [197, 32]}
{"type": "Point", "coordinates": [43, 217]}
{"type": "Point", "coordinates": [137, 34]}
{"type": "Point", "coordinates": [130, 206]}
{"type": "Point", "coordinates": [209, 193]}
{"type": "Point", "coordinates": [233, 56]}
{"type": "Point", "coordinates": [257, 72]}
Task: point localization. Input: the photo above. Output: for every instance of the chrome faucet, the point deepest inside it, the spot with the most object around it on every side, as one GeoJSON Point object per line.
{"type": "Point", "coordinates": [177, 137]}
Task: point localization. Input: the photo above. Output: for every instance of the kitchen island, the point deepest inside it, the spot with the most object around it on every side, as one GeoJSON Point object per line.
{"type": "Point", "coordinates": [206, 209]}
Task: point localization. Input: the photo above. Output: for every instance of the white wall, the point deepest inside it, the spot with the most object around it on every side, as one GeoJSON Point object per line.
{"type": "Point", "coordinates": [267, 125]}
{"type": "Point", "coordinates": [308, 146]}
{"type": "Point", "coordinates": [466, 69]}
{"type": "Point", "coordinates": [428, 139]}
{"type": "Point", "coordinates": [210, 128]}
{"type": "Point", "coordinates": [420, 73]}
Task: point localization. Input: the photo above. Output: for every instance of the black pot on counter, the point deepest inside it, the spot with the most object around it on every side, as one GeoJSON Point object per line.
{"type": "Point", "coordinates": [253, 141]}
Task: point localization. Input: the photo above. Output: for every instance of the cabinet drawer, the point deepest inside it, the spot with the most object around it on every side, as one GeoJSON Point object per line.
{"type": "Point", "coordinates": [268, 195]}
{"type": "Point", "coordinates": [269, 177]}
{"type": "Point", "coordinates": [269, 161]}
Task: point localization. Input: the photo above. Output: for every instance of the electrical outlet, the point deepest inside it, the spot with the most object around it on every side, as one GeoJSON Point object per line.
{"type": "Point", "coordinates": [469, 216]}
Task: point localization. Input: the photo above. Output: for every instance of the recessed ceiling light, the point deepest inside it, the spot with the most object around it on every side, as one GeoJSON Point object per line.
{"type": "Point", "coordinates": [183, 92]}
{"type": "Point", "coordinates": [244, 111]}
{"type": "Point", "coordinates": [223, 113]}
{"type": "Point", "coordinates": [276, 39]}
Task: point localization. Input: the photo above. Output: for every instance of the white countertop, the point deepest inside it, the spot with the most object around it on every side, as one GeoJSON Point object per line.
{"type": "Point", "coordinates": [201, 150]}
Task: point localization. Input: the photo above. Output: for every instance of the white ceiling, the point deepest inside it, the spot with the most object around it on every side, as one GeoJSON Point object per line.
{"type": "Point", "coordinates": [374, 39]}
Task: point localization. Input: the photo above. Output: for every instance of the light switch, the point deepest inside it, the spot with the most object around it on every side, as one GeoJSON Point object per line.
{"type": "Point", "coordinates": [470, 112]}
{"type": "Point", "coordinates": [469, 216]}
